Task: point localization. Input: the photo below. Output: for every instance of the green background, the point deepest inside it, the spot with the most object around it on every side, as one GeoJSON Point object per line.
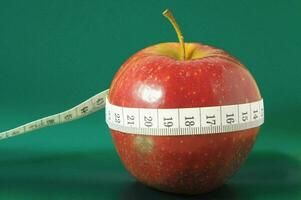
{"type": "Point", "coordinates": [55, 54]}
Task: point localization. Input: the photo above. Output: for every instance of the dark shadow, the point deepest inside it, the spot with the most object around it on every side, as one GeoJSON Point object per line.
{"type": "Point", "coordinates": [100, 175]}
{"type": "Point", "coordinates": [273, 175]}
{"type": "Point", "coordinates": [137, 191]}
{"type": "Point", "coordinates": [89, 175]}
{"type": "Point", "coordinates": [270, 175]}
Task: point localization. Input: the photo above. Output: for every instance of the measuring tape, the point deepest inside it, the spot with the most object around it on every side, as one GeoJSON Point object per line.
{"type": "Point", "coordinates": [158, 122]}
{"type": "Point", "coordinates": [185, 121]}
{"type": "Point", "coordinates": [91, 105]}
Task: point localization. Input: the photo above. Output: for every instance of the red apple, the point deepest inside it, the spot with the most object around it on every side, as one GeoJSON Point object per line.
{"type": "Point", "coordinates": [183, 75]}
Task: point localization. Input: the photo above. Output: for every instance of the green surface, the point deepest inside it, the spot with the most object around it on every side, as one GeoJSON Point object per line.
{"type": "Point", "coordinates": [55, 54]}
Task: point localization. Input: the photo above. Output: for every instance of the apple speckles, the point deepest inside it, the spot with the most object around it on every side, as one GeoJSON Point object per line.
{"type": "Point", "coordinates": [167, 78]}
{"type": "Point", "coordinates": [187, 74]}
{"type": "Point", "coordinates": [204, 161]}
{"type": "Point", "coordinates": [181, 181]}
{"type": "Point", "coordinates": [143, 68]}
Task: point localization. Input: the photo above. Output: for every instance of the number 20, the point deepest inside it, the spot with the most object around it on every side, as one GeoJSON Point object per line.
{"type": "Point", "coordinates": [148, 121]}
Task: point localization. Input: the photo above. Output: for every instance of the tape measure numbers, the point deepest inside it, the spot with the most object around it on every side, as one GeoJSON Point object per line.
{"type": "Point", "coordinates": [185, 121]}
{"type": "Point", "coordinates": [89, 106]}
{"type": "Point", "coordinates": [160, 122]}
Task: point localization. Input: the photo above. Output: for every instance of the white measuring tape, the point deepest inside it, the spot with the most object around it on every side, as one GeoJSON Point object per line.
{"type": "Point", "coordinates": [159, 122]}
{"type": "Point", "coordinates": [91, 105]}
{"type": "Point", "coordinates": [185, 121]}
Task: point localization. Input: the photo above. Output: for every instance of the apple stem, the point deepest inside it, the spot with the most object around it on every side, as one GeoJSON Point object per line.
{"type": "Point", "coordinates": [168, 14]}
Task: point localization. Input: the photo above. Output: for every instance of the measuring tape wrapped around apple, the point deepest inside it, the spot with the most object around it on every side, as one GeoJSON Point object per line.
{"type": "Point", "coordinates": [183, 116]}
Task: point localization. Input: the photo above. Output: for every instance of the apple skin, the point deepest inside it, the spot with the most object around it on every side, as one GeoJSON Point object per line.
{"type": "Point", "coordinates": [155, 78]}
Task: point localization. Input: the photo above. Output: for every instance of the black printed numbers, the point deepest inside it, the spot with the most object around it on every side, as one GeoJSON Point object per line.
{"type": "Point", "coordinates": [230, 118]}
{"type": "Point", "coordinates": [117, 118]}
{"type": "Point", "coordinates": [100, 101]}
{"type": "Point", "coordinates": [68, 117]}
{"type": "Point", "coordinates": [244, 116]}
{"type": "Point", "coordinates": [189, 121]}
{"type": "Point", "coordinates": [84, 109]}
{"type": "Point", "coordinates": [130, 119]}
{"type": "Point", "coordinates": [148, 121]}
{"type": "Point", "coordinates": [168, 122]}
{"type": "Point", "coordinates": [50, 121]}
{"type": "Point", "coordinates": [211, 119]}
{"type": "Point", "coordinates": [255, 114]}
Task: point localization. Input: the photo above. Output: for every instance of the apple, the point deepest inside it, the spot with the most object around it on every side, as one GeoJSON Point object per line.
{"type": "Point", "coordinates": [183, 75]}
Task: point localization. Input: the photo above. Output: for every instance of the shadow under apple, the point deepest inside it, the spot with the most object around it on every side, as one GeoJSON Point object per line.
{"type": "Point", "coordinates": [96, 175]}
{"type": "Point", "coordinates": [265, 174]}
{"type": "Point", "coordinates": [75, 175]}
